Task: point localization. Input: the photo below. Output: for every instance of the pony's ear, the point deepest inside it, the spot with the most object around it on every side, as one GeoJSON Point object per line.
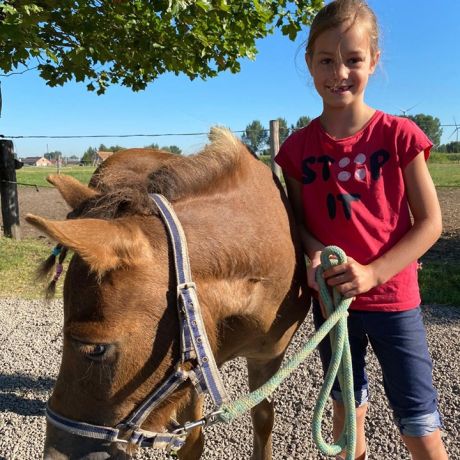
{"type": "Point", "coordinates": [73, 191]}
{"type": "Point", "coordinates": [103, 245]}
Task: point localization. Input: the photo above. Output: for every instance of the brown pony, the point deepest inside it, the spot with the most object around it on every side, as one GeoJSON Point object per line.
{"type": "Point", "coordinates": [121, 327]}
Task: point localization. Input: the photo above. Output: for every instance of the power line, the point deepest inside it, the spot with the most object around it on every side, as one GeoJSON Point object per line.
{"type": "Point", "coordinates": [4, 136]}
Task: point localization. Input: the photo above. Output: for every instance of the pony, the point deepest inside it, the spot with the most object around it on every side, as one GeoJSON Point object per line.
{"type": "Point", "coordinates": [121, 325]}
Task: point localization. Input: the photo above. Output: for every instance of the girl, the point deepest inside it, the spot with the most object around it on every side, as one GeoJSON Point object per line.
{"type": "Point", "coordinates": [352, 175]}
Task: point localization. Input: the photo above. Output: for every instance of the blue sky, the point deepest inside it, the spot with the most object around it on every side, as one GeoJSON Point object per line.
{"type": "Point", "coordinates": [420, 67]}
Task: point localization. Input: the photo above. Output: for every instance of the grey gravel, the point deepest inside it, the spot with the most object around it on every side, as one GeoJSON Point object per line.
{"type": "Point", "coordinates": [30, 343]}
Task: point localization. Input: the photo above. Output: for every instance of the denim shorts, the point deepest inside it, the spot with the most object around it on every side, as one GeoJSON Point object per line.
{"type": "Point", "coordinates": [399, 342]}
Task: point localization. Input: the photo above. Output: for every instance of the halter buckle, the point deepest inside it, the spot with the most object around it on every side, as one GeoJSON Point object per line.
{"type": "Point", "coordinates": [182, 286]}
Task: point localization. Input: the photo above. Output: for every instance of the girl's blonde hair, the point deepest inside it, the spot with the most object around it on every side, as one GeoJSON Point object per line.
{"type": "Point", "coordinates": [340, 12]}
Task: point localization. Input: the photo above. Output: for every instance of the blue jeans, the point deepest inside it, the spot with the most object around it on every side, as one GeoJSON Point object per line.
{"type": "Point", "coordinates": [399, 342]}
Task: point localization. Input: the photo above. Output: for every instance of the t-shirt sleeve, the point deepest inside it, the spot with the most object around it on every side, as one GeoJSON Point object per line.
{"type": "Point", "coordinates": [411, 141]}
{"type": "Point", "coordinates": [289, 158]}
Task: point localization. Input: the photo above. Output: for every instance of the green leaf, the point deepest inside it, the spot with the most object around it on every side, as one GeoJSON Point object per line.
{"type": "Point", "coordinates": [137, 41]}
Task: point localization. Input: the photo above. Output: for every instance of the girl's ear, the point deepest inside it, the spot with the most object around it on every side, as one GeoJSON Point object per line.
{"type": "Point", "coordinates": [374, 62]}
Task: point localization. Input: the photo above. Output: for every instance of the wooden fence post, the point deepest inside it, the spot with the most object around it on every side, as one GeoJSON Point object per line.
{"type": "Point", "coordinates": [275, 145]}
{"type": "Point", "coordinates": [9, 190]}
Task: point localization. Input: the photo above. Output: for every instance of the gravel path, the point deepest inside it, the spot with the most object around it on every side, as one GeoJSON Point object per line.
{"type": "Point", "coordinates": [30, 343]}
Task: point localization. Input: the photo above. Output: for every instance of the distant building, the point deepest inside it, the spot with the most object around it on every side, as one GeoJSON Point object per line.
{"type": "Point", "coordinates": [102, 156]}
{"type": "Point", "coordinates": [36, 161]}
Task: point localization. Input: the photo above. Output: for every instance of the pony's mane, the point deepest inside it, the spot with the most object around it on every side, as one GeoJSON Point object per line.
{"type": "Point", "coordinates": [218, 167]}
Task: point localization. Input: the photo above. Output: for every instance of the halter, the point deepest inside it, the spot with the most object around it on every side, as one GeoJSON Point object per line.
{"type": "Point", "coordinates": [194, 345]}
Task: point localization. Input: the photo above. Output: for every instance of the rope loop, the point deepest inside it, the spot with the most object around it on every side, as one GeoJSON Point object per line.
{"type": "Point", "coordinates": [340, 364]}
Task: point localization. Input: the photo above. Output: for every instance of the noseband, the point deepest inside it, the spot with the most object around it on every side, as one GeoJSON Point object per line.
{"type": "Point", "coordinates": [195, 346]}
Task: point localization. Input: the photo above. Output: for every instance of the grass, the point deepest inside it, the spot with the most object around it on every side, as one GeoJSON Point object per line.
{"type": "Point", "coordinates": [440, 283]}
{"type": "Point", "coordinates": [18, 262]}
{"type": "Point", "coordinates": [445, 174]}
{"type": "Point", "coordinates": [37, 175]}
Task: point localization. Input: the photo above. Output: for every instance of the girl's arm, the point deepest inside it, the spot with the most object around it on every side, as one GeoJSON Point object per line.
{"type": "Point", "coordinates": [311, 246]}
{"type": "Point", "coordinates": [353, 278]}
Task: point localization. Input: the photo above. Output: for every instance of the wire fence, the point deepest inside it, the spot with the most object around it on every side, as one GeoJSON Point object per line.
{"type": "Point", "coordinates": [285, 129]}
{"type": "Point", "coordinates": [247, 135]}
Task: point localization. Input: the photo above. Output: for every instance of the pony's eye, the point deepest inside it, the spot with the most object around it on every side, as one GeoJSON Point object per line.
{"type": "Point", "coordinates": [94, 351]}
{"type": "Point", "coordinates": [98, 350]}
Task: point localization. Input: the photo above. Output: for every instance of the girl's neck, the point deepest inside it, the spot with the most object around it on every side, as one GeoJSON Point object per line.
{"type": "Point", "coordinates": [345, 121]}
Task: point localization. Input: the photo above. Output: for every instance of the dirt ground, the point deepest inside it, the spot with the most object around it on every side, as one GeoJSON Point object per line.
{"type": "Point", "coordinates": [47, 202]}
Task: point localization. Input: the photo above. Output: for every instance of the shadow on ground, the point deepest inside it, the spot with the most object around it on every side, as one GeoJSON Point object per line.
{"type": "Point", "coordinates": [17, 390]}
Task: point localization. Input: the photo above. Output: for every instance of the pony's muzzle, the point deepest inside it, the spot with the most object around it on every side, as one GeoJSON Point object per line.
{"type": "Point", "coordinates": [60, 445]}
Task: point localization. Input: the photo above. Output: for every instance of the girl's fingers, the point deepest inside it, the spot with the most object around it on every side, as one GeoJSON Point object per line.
{"type": "Point", "coordinates": [335, 271]}
{"type": "Point", "coordinates": [336, 280]}
{"type": "Point", "coordinates": [347, 289]}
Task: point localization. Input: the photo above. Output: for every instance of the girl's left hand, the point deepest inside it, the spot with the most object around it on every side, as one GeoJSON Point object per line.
{"type": "Point", "coordinates": [351, 278]}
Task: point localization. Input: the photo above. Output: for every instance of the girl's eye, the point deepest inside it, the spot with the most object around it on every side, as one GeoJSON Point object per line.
{"type": "Point", "coordinates": [355, 60]}
{"type": "Point", "coordinates": [325, 61]}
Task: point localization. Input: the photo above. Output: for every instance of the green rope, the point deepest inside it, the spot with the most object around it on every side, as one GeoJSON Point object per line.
{"type": "Point", "coordinates": [340, 365]}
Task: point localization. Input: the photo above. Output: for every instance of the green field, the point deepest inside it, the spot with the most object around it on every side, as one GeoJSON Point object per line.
{"type": "Point", "coordinates": [32, 175]}
{"type": "Point", "coordinates": [18, 262]}
{"type": "Point", "coordinates": [440, 283]}
{"type": "Point", "coordinates": [445, 174]}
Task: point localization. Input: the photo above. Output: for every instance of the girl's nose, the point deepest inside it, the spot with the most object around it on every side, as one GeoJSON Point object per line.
{"type": "Point", "coordinates": [341, 71]}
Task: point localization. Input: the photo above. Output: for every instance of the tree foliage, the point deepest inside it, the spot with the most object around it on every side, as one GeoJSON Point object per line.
{"type": "Point", "coordinates": [430, 125]}
{"type": "Point", "coordinates": [89, 156]}
{"type": "Point", "coordinates": [132, 42]}
{"type": "Point", "coordinates": [303, 121]}
{"type": "Point", "coordinates": [153, 145]}
{"type": "Point", "coordinates": [112, 148]}
{"type": "Point", "coordinates": [173, 149]}
{"type": "Point", "coordinates": [255, 136]}
{"type": "Point", "coordinates": [168, 148]}
{"type": "Point", "coordinates": [450, 147]}
{"type": "Point", "coordinates": [53, 155]}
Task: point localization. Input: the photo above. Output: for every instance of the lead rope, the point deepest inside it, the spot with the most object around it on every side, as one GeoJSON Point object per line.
{"type": "Point", "coordinates": [340, 364]}
{"type": "Point", "coordinates": [336, 323]}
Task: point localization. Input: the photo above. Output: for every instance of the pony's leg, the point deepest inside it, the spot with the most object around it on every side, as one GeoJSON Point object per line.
{"type": "Point", "coordinates": [193, 447]}
{"type": "Point", "coordinates": [263, 414]}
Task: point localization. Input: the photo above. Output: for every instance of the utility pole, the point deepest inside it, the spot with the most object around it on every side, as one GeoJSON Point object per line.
{"type": "Point", "coordinates": [275, 145]}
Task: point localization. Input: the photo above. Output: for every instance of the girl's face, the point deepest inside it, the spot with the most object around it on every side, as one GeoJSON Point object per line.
{"type": "Point", "coordinates": [341, 64]}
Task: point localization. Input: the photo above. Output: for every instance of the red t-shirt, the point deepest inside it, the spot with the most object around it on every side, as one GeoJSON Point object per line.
{"type": "Point", "coordinates": [354, 195]}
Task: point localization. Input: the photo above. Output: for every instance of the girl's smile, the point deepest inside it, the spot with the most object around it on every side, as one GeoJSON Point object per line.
{"type": "Point", "coordinates": [340, 89]}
